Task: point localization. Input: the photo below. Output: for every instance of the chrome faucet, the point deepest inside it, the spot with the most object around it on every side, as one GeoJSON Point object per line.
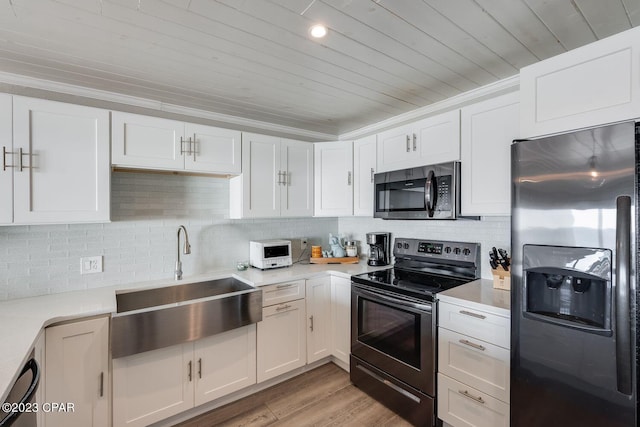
{"type": "Point", "coordinates": [186, 250]}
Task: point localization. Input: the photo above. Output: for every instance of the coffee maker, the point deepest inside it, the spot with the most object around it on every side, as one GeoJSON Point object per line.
{"type": "Point", "coordinates": [379, 253]}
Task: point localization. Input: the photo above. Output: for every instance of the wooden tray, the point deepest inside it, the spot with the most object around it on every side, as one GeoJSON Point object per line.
{"type": "Point", "coordinates": [343, 260]}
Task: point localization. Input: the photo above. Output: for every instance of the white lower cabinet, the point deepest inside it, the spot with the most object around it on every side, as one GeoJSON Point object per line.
{"type": "Point", "coordinates": [341, 318]}
{"type": "Point", "coordinates": [461, 405]}
{"type": "Point", "coordinates": [318, 302]}
{"type": "Point", "coordinates": [151, 386]}
{"type": "Point", "coordinates": [77, 371]}
{"type": "Point", "coordinates": [473, 365]}
{"type": "Point", "coordinates": [282, 339]}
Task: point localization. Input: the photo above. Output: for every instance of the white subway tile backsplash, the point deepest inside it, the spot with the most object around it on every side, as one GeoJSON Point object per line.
{"type": "Point", "coordinates": [140, 242]}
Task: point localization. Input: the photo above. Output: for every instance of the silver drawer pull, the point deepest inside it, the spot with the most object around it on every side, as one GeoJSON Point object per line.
{"type": "Point", "coordinates": [476, 315]}
{"type": "Point", "coordinates": [285, 286]}
{"type": "Point", "coordinates": [470, 344]}
{"type": "Point", "coordinates": [4, 159]}
{"type": "Point", "coordinates": [465, 393]}
{"type": "Point", "coordinates": [408, 143]}
{"type": "Point", "coordinates": [283, 307]}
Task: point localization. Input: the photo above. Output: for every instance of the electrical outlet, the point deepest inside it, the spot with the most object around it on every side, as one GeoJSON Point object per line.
{"type": "Point", "coordinates": [91, 264]}
{"type": "Point", "coordinates": [303, 243]}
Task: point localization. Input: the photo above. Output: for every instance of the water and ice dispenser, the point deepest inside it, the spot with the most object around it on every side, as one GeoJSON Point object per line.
{"type": "Point", "coordinates": [568, 286]}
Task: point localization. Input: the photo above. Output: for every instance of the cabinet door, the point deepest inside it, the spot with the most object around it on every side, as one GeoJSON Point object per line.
{"type": "Point", "coordinates": [436, 139]}
{"type": "Point", "coordinates": [319, 318]}
{"type": "Point", "coordinates": [281, 339]}
{"type": "Point", "coordinates": [66, 175]}
{"type": "Point", "coordinates": [297, 181]}
{"type": "Point", "coordinates": [213, 149]}
{"type": "Point", "coordinates": [488, 129]}
{"type": "Point", "coordinates": [395, 149]}
{"type": "Point", "coordinates": [333, 178]}
{"type": "Point", "coordinates": [341, 318]}
{"type": "Point", "coordinates": [364, 166]}
{"type": "Point", "coordinates": [224, 363]}
{"type": "Point", "coordinates": [261, 181]}
{"type": "Point", "coordinates": [588, 86]}
{"type": "Point", "coordinates": [8, 160]}
{"type": "Point", "coordinates": [77, 371]}
{"type": "Point", "coordinates": [152, 386]}
{"type": "Point", "coordinates": [147, 142]}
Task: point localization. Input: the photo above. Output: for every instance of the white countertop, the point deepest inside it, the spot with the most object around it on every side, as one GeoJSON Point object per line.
{"type": "Point", "coordinates": [480, 294]}
{"type": "Point", "coordinates": [22, 320]}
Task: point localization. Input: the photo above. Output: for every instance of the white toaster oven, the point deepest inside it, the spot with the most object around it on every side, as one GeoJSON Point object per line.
{"type": "Point", "coordinates": [265, 254]}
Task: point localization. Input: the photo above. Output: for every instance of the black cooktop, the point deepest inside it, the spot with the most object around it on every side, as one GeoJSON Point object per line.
{"type": "Point", "coordinates": [425, 267]}
{"type": "Point", "coordinates": [418, 285]}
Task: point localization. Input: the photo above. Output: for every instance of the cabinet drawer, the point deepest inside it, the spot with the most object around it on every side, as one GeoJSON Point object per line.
{"type": "Point", "coordinates": [477, 363]}
{"type": "Point", "coordinates": [475, 323]}
{"type": "Point", "coordinates": [282, 292]}
{"type": "Point", "coordinates": [461, 406]}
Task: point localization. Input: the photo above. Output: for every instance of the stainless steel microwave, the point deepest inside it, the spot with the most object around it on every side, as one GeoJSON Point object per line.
{"type": "Point", "coordinates": [425, 192]}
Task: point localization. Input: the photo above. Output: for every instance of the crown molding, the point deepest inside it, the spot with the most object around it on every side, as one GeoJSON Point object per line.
{"type": "Point", "coordinates": [103, 95]}
{"type": "Point", "coordinates": [500, 87]}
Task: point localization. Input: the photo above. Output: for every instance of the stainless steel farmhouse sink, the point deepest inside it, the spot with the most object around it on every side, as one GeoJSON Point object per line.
{"type": "Point", "coordinates": [160, 317]}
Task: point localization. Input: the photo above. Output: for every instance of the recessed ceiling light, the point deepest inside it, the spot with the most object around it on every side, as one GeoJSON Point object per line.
{"type": "Point", "coordinates": [318, 31]}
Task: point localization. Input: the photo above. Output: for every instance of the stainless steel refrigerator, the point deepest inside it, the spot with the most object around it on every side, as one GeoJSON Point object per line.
{"type": "Point", "coordinates": [574, 295]}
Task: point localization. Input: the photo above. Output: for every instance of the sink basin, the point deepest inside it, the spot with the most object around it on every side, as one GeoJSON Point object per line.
{"type": "Point", "coordinates": [136, 300]}
{"type": "Point", "coordinates": [161, 317]}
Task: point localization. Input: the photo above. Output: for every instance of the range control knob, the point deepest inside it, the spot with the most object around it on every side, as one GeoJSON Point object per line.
{"type": "Point", "coordinates": [456, 251]}
{"type": "Point", "coordinates": [399, 245]}
{"type": "Point", "coordinates": [447, 250]}
{"type": "Point", "coordinates": [466, 251]}
{"type": "Point", "coordinates": [406, 246]}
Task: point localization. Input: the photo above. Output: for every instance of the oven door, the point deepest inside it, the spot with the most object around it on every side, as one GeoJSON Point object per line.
{"type": "Point", "coordinates": [396, 334]}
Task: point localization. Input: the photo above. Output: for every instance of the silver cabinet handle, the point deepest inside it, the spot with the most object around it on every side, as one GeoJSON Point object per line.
{"type": "Point", "coordinates": [194, 146]}
{"type": "Point", "coordinates": [372, 172]}
{"type": "Point", "coordinates": [283, 307]}
{"type": "Point", "coordinates": [408, 144]}
{"type": "Point", "coordinates": [21, 167]}
{"type": "Point", "coordinates": [473, 345]}
{"type": "Point", "coordinates": [476, 315]}
{"type": "Point", "coordinates": [182, 150]}
{"type": "Point", "coordinates": [200, 368]}
{"type": "Point", "coordinates": [101, 384]}
{"type": "Point", "coordinates": [279, 177]}
{"type": "Point", "coordinates": [465, 393]}
{"type": "Point", "coordinates": [349, 178]}
{"type": "Point", "coordinates": [285, 286]}
{"type": "Point", "coordinates": [190, 369]}
{"type": "Point", "coordinates": [4, 158]}
{"type": "Point", "coordinates": [415, 142]}
{"type": "Point", "coordinates": [311, 326]}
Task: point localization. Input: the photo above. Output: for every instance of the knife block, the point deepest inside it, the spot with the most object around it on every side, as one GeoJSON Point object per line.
{"type": "Point", "coordinates": [501, 278]}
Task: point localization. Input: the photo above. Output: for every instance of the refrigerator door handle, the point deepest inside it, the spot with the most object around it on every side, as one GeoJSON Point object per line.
{"type": "Point", "coordinates": [623, 284]}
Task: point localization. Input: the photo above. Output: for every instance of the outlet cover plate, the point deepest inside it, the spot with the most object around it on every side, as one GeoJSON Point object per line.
{"type": "Point", "coordinates": [91, 264]}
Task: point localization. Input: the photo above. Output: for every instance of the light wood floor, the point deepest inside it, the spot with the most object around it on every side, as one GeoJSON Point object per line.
{"type": "Point", "coordinates": [321, 397]}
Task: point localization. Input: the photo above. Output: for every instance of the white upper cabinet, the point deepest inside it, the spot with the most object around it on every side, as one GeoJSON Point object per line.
{"type": "Point", "coordinates": [364, 167]}
{"type": "Point", "coordinates": [488, 129]}
{"type": "Point", "coordinates": [296, 159]}
{"type": "Point", "coordinates": [276, 180]}
{"type": "Point", "coordinates": [6, 173]}
{"type": "Point", "coordinates": [61, 170]}
{"type": "Point", "coordinates": [155, 143]}
{"type": "Point", "coordinates": [428, 141]}
{"type": "Point", "coordinates": [213, 149]}
{"type": "Point", "coordinates": [333, 181]}
{"type": "Point", "coordinates": [595, 84]}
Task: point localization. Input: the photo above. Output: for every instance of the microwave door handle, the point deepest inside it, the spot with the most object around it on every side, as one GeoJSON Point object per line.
{"type": "Point", "coordinates": [430, 194]}
{"type": "Point", "coordinates": [623, 284]}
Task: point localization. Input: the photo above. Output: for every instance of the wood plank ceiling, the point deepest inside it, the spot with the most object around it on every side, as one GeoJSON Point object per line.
{"type": "Point", "coordinates": [254, 58]}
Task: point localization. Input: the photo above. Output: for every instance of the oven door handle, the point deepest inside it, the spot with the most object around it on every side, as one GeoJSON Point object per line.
{"type": "Point", "coordinates": [398, 303]}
